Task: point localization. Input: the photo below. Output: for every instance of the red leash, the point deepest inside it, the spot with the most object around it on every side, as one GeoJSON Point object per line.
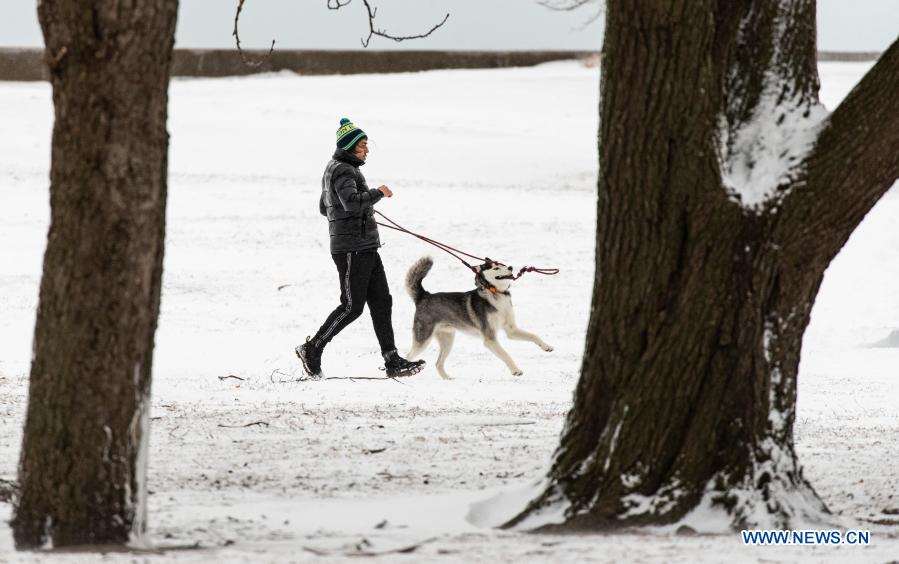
{"type": "Point", "coordinates": [452, 251]}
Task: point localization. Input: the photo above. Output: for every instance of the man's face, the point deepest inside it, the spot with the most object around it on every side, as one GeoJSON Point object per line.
{"type": "Point", "coordinates": [361, 149]}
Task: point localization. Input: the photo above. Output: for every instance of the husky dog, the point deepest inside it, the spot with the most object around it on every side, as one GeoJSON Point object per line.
{"type": "Point", "coordinates": [482, 311]}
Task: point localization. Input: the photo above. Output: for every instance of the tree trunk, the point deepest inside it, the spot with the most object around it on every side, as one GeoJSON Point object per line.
{"type": "Point", "coordinates": [84, 454]}
{"type": "Point", "coordinates": [724, 193]}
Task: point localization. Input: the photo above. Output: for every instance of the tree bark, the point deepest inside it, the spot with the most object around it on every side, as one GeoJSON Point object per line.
{"type": "Point", "coordinates": [83, 456]}
{"type": "Point", "coordinates": [687, 392]}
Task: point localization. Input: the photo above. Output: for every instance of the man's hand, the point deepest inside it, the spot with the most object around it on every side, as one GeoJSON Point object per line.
{"type": "Point", "coordinates": [386, 191]}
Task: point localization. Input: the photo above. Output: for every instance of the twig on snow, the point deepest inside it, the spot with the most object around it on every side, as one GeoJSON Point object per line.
{"type": "Point", "coordinates": [9, 489]}
{"type": "Point", "coordinates": [387, 476]}
{"type": "Point", "coordinates": [373, 450]}
{"type": "Point", "coordinates": [175, 436]}
{"type": "Point", "coordinates": [271, 378]}
{"type": "Point", "coordinates": [888, 522]}
{"type": "Point", "coordinates": [247, 425]}
{"type": "Point", "coordinates": [232, 376]}
{"type": "Point", "coordinates": [362, 548]}
{"type": "Point", "coordinates": [354, 378]}
{"type": "Point", "coordinates": [304, 378]}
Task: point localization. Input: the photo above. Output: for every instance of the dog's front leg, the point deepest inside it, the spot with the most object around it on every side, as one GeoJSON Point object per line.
{"type": "Point", "coordinates": [517, 334]}
{"type": "Point", "coordinates": [493, 345]}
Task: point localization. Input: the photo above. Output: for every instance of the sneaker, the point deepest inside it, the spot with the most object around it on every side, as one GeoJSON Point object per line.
{"type": "Point", "coordinates": [395, 365]}
{"type": "Point", "coordinates": [311, 357]}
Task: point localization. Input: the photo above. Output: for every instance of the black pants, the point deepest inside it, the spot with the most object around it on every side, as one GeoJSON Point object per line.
{"type": "Point", "coordinates": [362, 280]}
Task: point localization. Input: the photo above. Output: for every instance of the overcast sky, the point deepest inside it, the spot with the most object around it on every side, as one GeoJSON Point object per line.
{"type": "Point", "coordinates": [843, 25]}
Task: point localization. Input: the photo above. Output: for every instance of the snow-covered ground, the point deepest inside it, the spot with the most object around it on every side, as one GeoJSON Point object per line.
{"type": "Point", "coordinates": [498, 162]}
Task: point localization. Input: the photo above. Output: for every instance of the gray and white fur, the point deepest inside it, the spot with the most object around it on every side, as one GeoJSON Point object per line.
{"type": "Point", "coordinates": [480, 312]}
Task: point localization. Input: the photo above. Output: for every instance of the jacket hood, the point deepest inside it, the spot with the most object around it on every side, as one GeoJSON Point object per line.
{"type": "Point", "coordinates": [348, 157]}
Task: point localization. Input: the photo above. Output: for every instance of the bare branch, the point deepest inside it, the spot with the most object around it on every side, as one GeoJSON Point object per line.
{"type": "Point", "coordinates": [853, 163]}
{"type": "Point", "coordinates": [53, 61]}
{"type": "Point", "coordinates": [246, 60]}
{"type": "Point", "coordinates": [572, 5]}
{"type": "Point", "coordinates": [598, 14]}
{"type": "Point", "coordinates": [564, 5]}
{"type": "Point", "coordinates": [337, 4]}
{"type": "Point", "coordinates": [372, 13]}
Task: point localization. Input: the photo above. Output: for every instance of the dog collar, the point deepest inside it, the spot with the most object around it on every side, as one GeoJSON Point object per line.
{"type": "Point", "coordinates": [481, 282]}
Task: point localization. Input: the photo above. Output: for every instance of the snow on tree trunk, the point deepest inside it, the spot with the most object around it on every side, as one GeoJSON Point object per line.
{"type": "Point", "coordinates": [724, 192]}
{"type": "Point", "coordinates": [82, 469]}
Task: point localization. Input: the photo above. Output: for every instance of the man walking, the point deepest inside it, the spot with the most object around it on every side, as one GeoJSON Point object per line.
{"type": "Point", "coordinates": [348, 204]}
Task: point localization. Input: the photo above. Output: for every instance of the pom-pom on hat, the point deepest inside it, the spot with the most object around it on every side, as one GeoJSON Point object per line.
{"type": "Point", "coordinates": [348, 134]}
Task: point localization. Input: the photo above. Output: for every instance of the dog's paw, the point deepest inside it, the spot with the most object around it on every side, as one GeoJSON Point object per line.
{"type": "Point", "coordinates": [517, 372]}
{"type": "Point", "coordinates": [547, 348]}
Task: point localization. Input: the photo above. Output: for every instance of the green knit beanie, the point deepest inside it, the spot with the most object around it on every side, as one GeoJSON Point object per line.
{"type": "Point", "coordinates": [348, 135]}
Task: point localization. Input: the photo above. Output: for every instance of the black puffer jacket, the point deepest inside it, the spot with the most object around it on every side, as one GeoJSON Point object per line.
{"type": "Point", "coordinates": [348, 204]}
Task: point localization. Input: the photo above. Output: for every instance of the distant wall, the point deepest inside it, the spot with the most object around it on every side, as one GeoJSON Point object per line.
{"type": "Point", "coordinates": [27, 64]}
{"type": "Point", "coordinates": [22, 64]}
{"type": "Point", "coordinates": [848, 56]}
{"type": "Point", "coordinates": [229, 63]}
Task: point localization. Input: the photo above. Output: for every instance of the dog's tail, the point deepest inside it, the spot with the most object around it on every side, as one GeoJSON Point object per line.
{"type": "Point", "coordinates": [416, 274]}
